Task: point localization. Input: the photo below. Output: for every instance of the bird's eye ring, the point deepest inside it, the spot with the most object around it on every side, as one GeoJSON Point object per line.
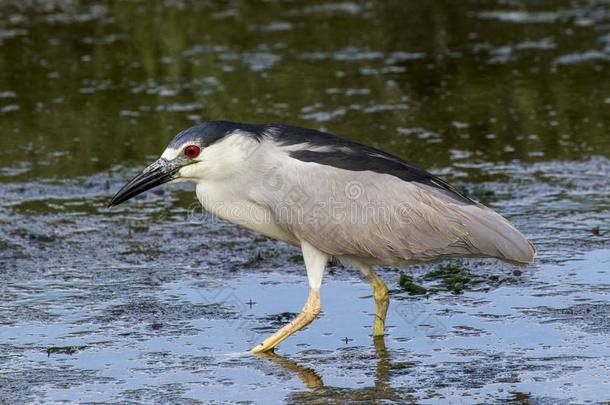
{"type": "Point", "coordinates": [191, 151]}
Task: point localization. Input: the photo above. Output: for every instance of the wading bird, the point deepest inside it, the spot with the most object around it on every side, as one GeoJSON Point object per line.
{"type": "Point", "coordinates": [331, 197]}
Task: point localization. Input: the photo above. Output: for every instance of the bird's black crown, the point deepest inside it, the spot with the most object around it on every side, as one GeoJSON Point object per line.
{"type": "Point", "coordinates": [209, 132]}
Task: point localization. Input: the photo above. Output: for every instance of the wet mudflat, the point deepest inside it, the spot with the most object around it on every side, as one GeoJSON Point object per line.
{"type": "Point", "coordinates": [156, 300]}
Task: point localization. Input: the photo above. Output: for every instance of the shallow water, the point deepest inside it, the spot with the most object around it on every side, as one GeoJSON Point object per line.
{"type": "Point", "coordinates": [156, 300]}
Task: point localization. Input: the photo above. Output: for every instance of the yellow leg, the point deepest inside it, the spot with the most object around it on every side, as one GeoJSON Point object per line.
{"type": "Point", "coordinates": [382, 301]}
{"type": "Point", "coordinates": [310, 311]}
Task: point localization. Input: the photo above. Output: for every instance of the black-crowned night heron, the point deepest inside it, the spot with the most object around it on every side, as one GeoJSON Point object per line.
{"type": "Point", "coordinates": [331, 197]}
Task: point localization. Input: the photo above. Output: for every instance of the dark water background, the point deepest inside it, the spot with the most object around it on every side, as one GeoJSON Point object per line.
{"type": "Point", "coordinates": [147, 302]}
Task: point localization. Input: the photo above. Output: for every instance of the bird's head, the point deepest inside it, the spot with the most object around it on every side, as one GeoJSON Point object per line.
{"type": "Point", "coordinates": [205, 151]}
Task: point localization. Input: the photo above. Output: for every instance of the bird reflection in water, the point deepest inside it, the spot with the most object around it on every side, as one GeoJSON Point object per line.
{"type": "Point", "coordinates": [309, 377]}
{"type": "Point", "coordinates": [314, 380]}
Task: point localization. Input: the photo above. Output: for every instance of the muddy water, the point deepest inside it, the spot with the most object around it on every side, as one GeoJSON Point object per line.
{"type": "Point", "coordinates": [157, 301]}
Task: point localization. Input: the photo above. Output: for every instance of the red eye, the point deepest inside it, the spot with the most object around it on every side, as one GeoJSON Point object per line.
{"type": "Point", "coordinates": [191, 151]}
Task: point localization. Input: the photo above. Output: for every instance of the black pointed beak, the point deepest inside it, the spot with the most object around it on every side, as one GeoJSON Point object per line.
{"type": "Point", "coordinates": [154, 175]}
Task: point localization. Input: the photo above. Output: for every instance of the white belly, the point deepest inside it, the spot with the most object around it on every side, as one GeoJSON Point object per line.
{"type": "Point", "coordinates": [224, 204]}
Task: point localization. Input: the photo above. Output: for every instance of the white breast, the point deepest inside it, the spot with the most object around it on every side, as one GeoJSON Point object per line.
{"type": "Point", "coordinates": [222, 201]}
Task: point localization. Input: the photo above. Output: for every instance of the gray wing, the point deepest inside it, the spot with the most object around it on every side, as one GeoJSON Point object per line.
{"type": "Point", "coordinates": [384, 219]}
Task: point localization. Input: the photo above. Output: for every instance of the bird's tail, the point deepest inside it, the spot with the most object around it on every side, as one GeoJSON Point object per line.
{"type": "Point", "coordinates": [490, 234]}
